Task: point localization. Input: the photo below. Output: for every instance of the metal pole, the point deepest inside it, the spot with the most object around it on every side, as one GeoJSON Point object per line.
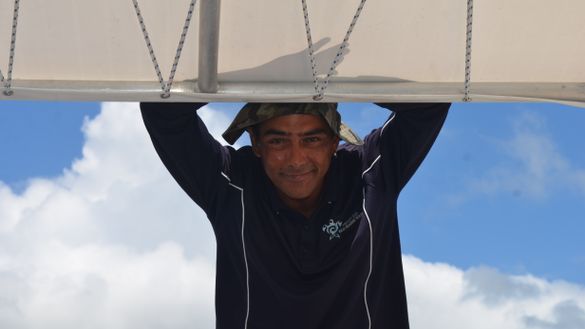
{"type": "Point", "coordinates": [208, 45]}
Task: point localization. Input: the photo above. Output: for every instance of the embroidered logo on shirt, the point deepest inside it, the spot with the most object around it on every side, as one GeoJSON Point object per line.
{"type": "Point", "coordinates": [335, 228]}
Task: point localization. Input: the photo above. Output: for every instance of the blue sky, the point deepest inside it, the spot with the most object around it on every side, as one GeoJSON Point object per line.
{"type": "Point", "coordinates": [40, 138]}
{"type": "Point", "coordinates": [443, 217]}
{"type": "Point", "coordinates": [500, 195]}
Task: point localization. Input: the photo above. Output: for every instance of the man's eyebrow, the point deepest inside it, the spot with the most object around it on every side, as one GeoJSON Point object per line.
{"type": "Point", "coordinates": [315, 132]}
{"type": "Point", "coordinates": [276, 132]}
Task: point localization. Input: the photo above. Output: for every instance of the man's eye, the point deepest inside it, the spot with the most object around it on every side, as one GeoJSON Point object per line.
{"type": "Point", "coordinates": [312, 140]}
{"type": "Point", "coordinates": [276, 141]}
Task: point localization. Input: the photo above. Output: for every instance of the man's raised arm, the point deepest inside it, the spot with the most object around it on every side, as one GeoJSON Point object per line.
{"type": "Point", "coordinates": [407, 137]}
{"type": "Point", "coordinates": [189, 152]}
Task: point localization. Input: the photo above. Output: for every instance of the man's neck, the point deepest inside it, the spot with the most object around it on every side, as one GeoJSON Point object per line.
{"type": "Point", "coordinates": [304, 206]}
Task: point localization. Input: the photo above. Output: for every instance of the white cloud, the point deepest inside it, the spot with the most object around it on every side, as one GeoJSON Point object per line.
{"type": "Point", "coordinates": [442, 296]}
{"type": "Point", "coordinates": [531, 166]}
{"type": "Point", "coordinates": [114, 243]}
{"type": "Point", "coordinates": [580, 180]}
{"type": "Point", "coordinates": [99, 286]}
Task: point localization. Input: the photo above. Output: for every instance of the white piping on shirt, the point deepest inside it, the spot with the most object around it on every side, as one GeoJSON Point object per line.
{"type": "Point", "coordinates": [243, 248]}
{"type": "Point", "coordinates": [387, 122]}
{"type": "Point", "coordinates": [370, 227]}
{"type": "Point", "coordinates": [371, 245]}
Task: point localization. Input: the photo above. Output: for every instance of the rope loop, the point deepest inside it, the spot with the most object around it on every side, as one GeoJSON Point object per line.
{"type": "Point", "coordinates": [321, 86]}
{"type": "Point", "coordinates": [165, 86]}
{"type": "Point", "coordinates": [7, 82]}
{"type": "Point", "coordinates": [467, 84]}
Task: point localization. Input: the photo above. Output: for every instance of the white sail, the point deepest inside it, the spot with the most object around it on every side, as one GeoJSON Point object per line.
{"type": "Point", "coordinates": [521, 50]}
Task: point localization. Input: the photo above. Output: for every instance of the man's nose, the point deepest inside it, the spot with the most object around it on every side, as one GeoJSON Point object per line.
{"type": "Point", "coordinates": [297, 154]}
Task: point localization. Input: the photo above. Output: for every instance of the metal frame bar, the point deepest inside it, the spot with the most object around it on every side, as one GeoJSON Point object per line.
{"type": "Point", "coordinates": [208, 45]}
{"type": "Point", "coordinates": [339, 91]}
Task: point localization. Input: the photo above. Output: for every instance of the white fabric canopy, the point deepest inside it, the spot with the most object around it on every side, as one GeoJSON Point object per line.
{"type": "Point", "coordinates": [522, 50]}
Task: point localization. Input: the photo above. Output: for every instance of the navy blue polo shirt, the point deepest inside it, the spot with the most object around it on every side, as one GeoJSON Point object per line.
{"type": "Point", "coordinates": [341, 268]}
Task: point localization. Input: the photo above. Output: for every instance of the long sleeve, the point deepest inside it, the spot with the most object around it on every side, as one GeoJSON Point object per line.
{"type": "Point", "coordinates": [406, 138]}
{"type": "Point", "coordinates": [189, 152]}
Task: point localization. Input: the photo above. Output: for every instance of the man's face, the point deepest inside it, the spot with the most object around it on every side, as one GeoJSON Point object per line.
{"type": "Point", "coordinates": [296, 151]}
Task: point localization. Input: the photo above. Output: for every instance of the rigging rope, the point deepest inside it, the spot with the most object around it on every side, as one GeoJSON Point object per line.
{"type": "Point", "coordinates": [320, 89]}
{"type": "Point", "coordinates": [8, 80]}
{"type": "Point", "coordinates": [165, 86]}
{"type": "Point", "coordinates": [466, 97]}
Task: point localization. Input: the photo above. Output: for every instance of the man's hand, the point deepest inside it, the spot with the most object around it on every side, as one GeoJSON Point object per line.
{"type": "Point", "coordinates": [399, 107]}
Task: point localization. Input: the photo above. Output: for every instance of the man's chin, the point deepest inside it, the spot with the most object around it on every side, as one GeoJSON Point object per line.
{"type": "Point", "coordinates": [296, 194]}
{"type": "Point", "coordinates": [294, 179]}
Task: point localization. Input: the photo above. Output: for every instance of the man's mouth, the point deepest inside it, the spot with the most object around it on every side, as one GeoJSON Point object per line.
{"type": "Point", "coordinates": [297, 176]}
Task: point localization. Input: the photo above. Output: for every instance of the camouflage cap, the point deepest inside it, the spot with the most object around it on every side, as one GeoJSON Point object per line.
{"type": "Point", "coordinates": [254, 113]}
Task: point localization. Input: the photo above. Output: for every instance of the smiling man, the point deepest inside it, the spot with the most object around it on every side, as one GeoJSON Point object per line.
{"type": "Point", "coordinates": [306, 228]}
{"type": "Point", "coordinates": [296, 152]}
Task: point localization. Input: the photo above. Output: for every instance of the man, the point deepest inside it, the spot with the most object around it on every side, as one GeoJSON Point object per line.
{"type": "Point", "coordinates": [306, 229]}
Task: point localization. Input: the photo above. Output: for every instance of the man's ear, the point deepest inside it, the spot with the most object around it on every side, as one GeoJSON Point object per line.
{"type": "Point", "coordinates": [335, 145]}
{"type": "Point", "coordinates": [255, 144]}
